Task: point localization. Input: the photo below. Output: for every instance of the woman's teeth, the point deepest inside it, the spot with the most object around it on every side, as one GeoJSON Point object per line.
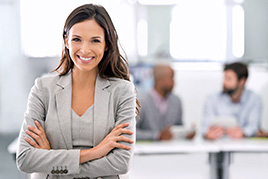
{"type": "Point", "coordinates": [86, 59]}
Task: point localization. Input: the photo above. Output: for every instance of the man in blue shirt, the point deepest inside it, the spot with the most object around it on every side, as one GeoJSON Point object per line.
{"type": "Point", "coordinates": [234, 101]}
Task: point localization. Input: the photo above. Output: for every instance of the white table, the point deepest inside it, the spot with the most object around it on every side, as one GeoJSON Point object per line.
{"type": "Point", "coordinates": [224, 147]}
{"type": "Point", "coordinates": [175, 147]}
{"type": "Point", "coordinates": [231, 146]}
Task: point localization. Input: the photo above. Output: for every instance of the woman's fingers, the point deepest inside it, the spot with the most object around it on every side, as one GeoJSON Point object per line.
{"type": "Point", "coordinates": [38, 130]}
{"type": "Point", "coordinates": [122, 146]}
{"type": "Point", "coordinates": [120, 129]}
{"type": "Point", "coordinates": [39, 135]}
{"type": "Point", "coordinates": [34, 136]}
{"type": "Point", "coordinates": [34, 130]}
{"type": "Point", "coordinates": [38, 125]}
{"type": "Point", "coordinates": [124, 139]}
{"type": "Point", "coordinates": [31, 142]}
{"type": "Point", "coordinates": [119, 126]}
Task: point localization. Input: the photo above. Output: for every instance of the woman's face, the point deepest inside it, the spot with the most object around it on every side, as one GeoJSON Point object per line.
{"type": "Point", "coordinates": [86, 44]}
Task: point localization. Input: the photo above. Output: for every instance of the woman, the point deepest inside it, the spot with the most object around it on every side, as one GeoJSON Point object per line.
{"type": "Point", "coordinates": [80, 123]}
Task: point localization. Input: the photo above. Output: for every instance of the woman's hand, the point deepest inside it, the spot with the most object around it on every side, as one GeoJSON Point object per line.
{"type": "Point", "coordinates": [38, 134]}
{"type": "Point", "coordinates": [111, 141]}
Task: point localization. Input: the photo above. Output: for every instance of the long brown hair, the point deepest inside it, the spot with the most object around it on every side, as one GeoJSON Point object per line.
{"type": "Point", "coordinates": [113, 64]}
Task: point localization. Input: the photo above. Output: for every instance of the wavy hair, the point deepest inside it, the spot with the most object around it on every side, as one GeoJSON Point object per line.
{"type": "Point", "coordinates": [113, 64]}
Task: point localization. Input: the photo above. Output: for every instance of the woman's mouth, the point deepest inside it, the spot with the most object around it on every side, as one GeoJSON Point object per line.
{"type": "Point", "coordinates": [85, 59]}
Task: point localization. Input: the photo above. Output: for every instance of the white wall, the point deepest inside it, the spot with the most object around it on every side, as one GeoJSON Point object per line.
{"type": "Point", "coordinates": [17, 73]}
{"type": "Point", "coordinates": [256, 28]}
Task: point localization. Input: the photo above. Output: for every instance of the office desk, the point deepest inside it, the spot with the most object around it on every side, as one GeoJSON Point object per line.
{"type": "Point", "coordinates": [175, 147]}
{"type": "Point", "coordinates": [231, 146]}
{"type": "Point", "coordinates": [224, 147]}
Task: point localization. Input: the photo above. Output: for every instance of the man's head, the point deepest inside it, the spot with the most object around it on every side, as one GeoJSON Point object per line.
{"type": "Point", "coordinates": [235, 76]}
{"type": "Point", "coordinates": [163, 79]}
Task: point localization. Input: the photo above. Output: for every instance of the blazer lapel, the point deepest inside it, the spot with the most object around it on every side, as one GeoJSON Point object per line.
{"type": "Point", "coordinates": [63, 103]}
{"type": "Point", "coordinates": [101, 107]}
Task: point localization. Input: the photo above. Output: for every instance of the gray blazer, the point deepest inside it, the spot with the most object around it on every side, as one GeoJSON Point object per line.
{"type": "Point", "coordinates": [151, 122]}
{"type": "Point", "coordinates": [50, 103]}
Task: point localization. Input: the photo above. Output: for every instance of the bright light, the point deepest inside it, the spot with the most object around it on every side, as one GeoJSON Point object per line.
{"type": "Point", "coordinates": [39, 35]}
{"type": "Point", "coordinates": [198, 31]}
{"type": "Point", "coordinates": [239, 1]}
{"type": "Point", "coordinates": [42, 24]}
{"type": "Point", "coordinates": [238, 32]}
{"type": "Point", "coordinates": [157, 2]}
{"type": "Point", "coordinates": [142, 35]}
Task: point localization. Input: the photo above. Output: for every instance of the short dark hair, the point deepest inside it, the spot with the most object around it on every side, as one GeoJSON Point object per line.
{"type": "Point", "coordinates": [240, 69]}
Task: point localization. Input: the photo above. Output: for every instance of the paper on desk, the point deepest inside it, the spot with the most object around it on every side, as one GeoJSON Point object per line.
{"type": "Point", "coordinates": [181, 132]}
{"type": "Point", "coordinates": [224, 121]}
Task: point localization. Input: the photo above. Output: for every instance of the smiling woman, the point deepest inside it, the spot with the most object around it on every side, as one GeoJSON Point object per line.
{"type": "Point", "coordinates": [86, 49]}
{"type": "Point", "coordinates": [81, 121]}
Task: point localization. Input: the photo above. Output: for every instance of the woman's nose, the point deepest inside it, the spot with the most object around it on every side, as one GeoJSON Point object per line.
{"type": "Point", "coordinates": [86, 48]}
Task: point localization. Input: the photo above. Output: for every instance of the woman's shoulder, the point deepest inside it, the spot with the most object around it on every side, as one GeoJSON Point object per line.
{"type": "Point", "coordinates": [47, 80]}
{"type": "Point", "coordinates": [121, 85]}
{"type": "Point", "coordinates": [49, 77]}
{"type": "Point", "coordinates": [117, 82]}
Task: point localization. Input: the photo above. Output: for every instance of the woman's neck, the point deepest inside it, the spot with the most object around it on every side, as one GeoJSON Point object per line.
{"type": "Point", "coordinates": [84, 80]}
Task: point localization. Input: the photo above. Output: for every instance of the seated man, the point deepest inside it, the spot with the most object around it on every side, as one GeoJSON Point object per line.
{"type": "Point", "coordinates": [234, 101]}
{"type": "Point", "coordinates": [160, 109]}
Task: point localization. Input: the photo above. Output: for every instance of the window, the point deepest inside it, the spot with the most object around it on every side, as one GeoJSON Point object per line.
{"type": "Point", "coordinates": [238, 32]}
{"type": "Point", "coordinates": [198, 30]}
{"type": "Point", "coordinates": [42, 24]}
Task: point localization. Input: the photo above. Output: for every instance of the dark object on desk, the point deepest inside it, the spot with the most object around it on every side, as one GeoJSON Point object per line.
{"type": "Point", "coordinates": [262, 133]}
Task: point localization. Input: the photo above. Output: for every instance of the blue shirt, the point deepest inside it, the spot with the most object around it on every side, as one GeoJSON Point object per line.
{"type": "Point", "coordinates": [247, 111]}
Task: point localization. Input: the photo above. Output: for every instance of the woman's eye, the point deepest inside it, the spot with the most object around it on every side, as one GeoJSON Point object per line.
{"type": "Point", "coordinates": [95, 41]}
{"type": "Point", "coordinates": [76, 40]}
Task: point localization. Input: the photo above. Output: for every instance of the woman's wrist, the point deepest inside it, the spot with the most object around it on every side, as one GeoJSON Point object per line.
{"type": "Point", "coordinates": [88, 155]}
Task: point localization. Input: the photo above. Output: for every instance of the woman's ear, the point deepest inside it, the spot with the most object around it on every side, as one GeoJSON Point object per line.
{"type": "Point", "coordinates": [106, 48]}
{"type": "Point", "coordinates": [66, 42]}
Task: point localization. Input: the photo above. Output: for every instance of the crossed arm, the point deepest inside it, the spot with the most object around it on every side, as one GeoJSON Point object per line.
{"type": "Point", "coordinates": [102, 149]}
{"type": "Point", "coordinates": [110, 157]}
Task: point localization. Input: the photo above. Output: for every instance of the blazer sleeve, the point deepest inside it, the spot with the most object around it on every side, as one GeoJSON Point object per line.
{"type": "Point", "coordinates": [118, 160]}
{"type": "Point", "coordinates": [30, 159]}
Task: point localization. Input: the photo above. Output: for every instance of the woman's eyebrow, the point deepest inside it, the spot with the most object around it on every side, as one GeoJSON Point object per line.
{"type": "Point", "coordinates": [76, 36]}
{"type": "Point", "coordinates": [97, 37]}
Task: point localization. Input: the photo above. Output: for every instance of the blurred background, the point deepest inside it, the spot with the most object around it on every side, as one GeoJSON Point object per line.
{"type": "Point", "coordinates": [195, 36]}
